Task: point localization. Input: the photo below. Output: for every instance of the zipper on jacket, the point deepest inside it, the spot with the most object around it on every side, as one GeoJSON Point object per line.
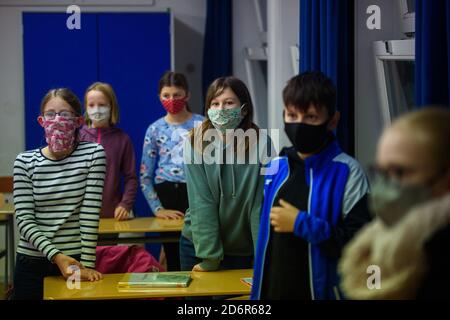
{"type": "Point", "coordinates": [267, 242]}
{"type": "Point", "coordinates": [311, 282]}
{"type": "Point", "coordinates": [336, 293]}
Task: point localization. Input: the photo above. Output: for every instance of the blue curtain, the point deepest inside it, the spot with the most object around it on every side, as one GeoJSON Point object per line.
{"type": "Point", "coordinates": [217, 61]}
{"type": "Point", "coordinates": [432, 52]}
{"type": "Point", "coordinates": [326, 44]}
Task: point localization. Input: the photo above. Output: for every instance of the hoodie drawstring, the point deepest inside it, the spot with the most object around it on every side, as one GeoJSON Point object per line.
{"type": "Point", "coordinates": [99, 136]}
{"type": "Point", "coordinates": [220, 180]}
{"type": "Point", "coordinates": [233, 194]}
{"type": "Point", "coordinates": [233, 178]}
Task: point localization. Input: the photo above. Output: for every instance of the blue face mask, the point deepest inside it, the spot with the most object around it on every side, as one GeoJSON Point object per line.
{"type": "Point", "coordinates": [223, 119]}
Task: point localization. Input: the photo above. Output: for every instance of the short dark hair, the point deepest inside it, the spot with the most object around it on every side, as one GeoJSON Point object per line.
{"type": "Point", "coordinates": [174, 79]}
{"type": "Point", "coordinates": [310, 88]}
{"type": "Point", "coordinates": [65, 94]}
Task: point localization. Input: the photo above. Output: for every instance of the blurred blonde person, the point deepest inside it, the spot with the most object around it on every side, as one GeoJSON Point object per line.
{"type": "Point", "coordinates": [407, 244]}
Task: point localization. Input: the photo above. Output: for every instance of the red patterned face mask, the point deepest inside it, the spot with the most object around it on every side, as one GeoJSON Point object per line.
{"type": "Point", "coordinates": [60, 133]}
{"type": "Point", "coordinates": [173, 106]}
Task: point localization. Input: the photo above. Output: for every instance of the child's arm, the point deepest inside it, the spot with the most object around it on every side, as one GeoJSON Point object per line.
{"type": "Point", "coordinates": [341, 234]}
{"type": "Point", "coordinates": [130, 178]}
{"type": "Point", "coordinates": [24, 209]}
{"type": "Point", "coordinates": [355, 212]}
{"type": "Point", "coordinates": [91, 206]}
{"type": "Point", "coordinates": [147, 172]}
{"type": "Point", "coordinates": [331, 238]}
{"type": "Point", "coordinates": [318, 231]}
{"type": "Point", "coordinates": [203, 213]}
{"type": "Point", "coordinates": [288, 218]}
{"type": "Point", "coordinates": [313, 229]}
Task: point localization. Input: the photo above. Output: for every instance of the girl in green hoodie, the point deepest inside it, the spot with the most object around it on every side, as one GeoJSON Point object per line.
{"type": "Point", "coordinates": [224, 182]}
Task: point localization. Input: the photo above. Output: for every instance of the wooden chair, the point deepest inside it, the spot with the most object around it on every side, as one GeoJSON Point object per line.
{"type": "Point", "coordinates": [7, 220]}
{"type": "Point", "coordinates": [4, 221]}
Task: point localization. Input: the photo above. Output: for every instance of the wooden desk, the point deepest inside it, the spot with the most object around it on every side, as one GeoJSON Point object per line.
{"type": "Point", "coordinates": [169, 230]}
{"type": "Point", "coordinates": [138, 225]}
{"type": "Point", "coordinates": [7, 208]}
{"type": "Point", "coordinates": [7, 219]}
{"type": "Point", "coordinates": [215, 283]}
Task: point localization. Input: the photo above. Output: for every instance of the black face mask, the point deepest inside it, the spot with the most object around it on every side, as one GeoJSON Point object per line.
{"type": "Point", "coordinates": [307, 138]}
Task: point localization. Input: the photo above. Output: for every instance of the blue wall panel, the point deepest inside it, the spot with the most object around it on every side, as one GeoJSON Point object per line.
{"type": "Point", "coordinates": [55, 56]}
{"type": "Point", "coordinates": [130, 51]}
{"type": "Point", "coordinates": [134, 52]}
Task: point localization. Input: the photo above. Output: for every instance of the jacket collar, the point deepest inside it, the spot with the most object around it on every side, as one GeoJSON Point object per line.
{"type": "Point", "coordinates": [324, 157]}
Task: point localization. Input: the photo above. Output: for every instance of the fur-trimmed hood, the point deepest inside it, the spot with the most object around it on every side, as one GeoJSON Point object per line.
{"type": "Point", "coordinates": [398, 251]}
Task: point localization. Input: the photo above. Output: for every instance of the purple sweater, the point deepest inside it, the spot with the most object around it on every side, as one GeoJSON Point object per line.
{"type": "Point", "coordinates": [120, 161]}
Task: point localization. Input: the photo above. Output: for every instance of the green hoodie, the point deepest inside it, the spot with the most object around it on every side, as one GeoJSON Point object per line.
{"type": "Point", "coordinates": [224, 208]}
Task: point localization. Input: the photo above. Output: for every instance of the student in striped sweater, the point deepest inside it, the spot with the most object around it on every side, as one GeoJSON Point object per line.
{"type": "Point", "coordinates": [57, 196]}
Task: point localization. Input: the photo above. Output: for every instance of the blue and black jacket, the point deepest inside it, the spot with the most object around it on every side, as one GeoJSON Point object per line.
{"type": "Point", "coordinates": [336, 185]}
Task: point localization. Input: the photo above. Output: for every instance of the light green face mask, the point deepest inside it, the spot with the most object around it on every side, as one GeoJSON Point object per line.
{"type": "Point", "coordinates": [223, 119]}
{"type": "Point", "coordinates": [391, 201]}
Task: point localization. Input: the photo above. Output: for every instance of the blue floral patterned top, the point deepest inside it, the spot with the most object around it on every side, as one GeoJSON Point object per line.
{"type": "Point", "coordinates": [162, 156]}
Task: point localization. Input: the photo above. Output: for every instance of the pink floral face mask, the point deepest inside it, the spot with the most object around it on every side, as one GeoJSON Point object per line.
{"type": "Point", "coordinates": [60, 133]}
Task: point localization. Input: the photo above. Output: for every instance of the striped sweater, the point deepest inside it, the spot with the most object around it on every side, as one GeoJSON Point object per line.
{"type": "Point", "coordinates": [58, 202]}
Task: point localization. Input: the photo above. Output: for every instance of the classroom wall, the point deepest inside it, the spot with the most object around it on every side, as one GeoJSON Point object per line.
{"type": "Point", "coordinates": [281, 22]}
{"type": "Point", "coordinates": [368, 126]}
{"type": "Point", "coordinates": [246, 34]}
{"type": "Point", "coordinates": [283, 32]}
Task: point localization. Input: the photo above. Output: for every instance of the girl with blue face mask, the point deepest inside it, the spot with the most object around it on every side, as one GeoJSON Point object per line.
{"type": "Point", "coordinates": [410, 197]}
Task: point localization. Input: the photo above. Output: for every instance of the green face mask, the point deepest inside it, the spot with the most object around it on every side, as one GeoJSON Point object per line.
{"type": "Point", "coordinates": [223, 119]}
{"type": "Point", "coordinates": [391, 201]}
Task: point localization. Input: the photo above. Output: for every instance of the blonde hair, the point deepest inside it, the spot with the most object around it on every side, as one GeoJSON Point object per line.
{"type": "Point", "coordinates": [431, 128]}
{"type": "Point", "coordinates": [108, 91]}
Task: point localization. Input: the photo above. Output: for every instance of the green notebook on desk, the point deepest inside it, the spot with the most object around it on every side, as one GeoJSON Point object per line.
{"type": "Point", "coordinates": [248, 281]}
{"type": "Point", "coordinates": [137, 281]}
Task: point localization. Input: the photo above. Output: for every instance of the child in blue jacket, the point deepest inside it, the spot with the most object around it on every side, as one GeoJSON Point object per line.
{"type": "Point", "coordinates": [313, 204]}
